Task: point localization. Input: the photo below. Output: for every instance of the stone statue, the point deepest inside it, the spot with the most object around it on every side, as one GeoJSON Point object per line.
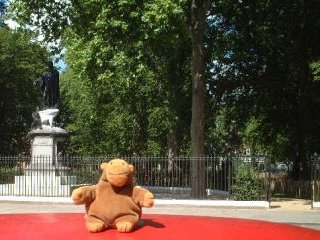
{"type": "Point", "coordinates": [49, 86]}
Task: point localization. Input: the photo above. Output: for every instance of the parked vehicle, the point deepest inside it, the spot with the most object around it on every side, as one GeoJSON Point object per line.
{"type": "Point", "coordinates": [281, 167]}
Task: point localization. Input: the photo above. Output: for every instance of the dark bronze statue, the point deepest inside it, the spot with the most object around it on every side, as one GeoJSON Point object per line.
{"type": "Point", "coordinates": [49, 86]}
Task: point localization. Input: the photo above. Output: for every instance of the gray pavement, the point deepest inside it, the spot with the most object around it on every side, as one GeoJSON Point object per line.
{"type": "Point", "coordinates": [301, 217]}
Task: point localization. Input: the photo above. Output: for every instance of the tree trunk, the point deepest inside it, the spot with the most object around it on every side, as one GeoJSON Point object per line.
{"type": "Point", "coordinates": [198, 26]}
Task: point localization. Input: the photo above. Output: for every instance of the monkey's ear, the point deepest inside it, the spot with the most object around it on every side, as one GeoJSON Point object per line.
{"type": "Point", "coordinates": [103, 166]}
{"type": "Point", "coordinates": [131, 167]}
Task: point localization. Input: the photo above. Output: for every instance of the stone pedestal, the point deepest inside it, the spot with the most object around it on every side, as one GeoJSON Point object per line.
{"type": "Point", "coordinates": [45, 176]}
{"type": "Point", "coordinates": [47, 145]}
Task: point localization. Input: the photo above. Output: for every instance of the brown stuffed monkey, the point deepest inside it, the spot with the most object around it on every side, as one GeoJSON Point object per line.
{"type": "Point", "coordinates": [114, 202]}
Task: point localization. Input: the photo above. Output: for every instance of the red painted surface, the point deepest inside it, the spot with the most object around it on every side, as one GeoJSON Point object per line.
{"type": "Point", "coordinates": [164, 227]}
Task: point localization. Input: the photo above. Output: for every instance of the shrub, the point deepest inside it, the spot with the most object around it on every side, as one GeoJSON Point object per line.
{"type": "Point", "coordinates": [85, 176]}
{"type": "Point", "coordinates": [7, 175]}
{"type": "Point", "coordinates": [248, 186]}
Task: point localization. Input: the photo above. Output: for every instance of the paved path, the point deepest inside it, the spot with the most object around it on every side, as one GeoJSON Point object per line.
{"type": "Point", "coordinates": [298, 214]}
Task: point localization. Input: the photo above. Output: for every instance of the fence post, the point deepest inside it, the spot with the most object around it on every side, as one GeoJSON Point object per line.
{"type": "Point", "coordinates": [268, 181]}
{"type": "Point", "coordinates": [312, 177]}
{"type": "Point", "coordinates": [229, 174]}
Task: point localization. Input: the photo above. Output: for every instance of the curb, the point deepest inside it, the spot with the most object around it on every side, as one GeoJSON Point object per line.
{"type": "Point", "coordinates": [24, 199]}
{"type": "Point", "coordinates": [158, 202]}
{"type": "Point", "coordinates": [214, 203]}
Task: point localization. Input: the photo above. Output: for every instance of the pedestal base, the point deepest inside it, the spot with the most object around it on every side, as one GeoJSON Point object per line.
{"type": "Point", "coordinates": [44, 183]}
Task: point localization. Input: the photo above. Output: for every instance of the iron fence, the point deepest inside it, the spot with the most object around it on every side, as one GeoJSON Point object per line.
{"type": "Point", "coordinates": [168, 178]}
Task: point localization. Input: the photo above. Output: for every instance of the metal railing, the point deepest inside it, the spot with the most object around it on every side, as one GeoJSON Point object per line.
{"type": "Point", "coordinates": [168, 178]}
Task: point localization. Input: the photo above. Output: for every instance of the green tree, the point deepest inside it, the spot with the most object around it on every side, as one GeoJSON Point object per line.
{"type": "Point", "coordinates": [127, 86]}
{"type": "Point", "coordinates": [315, 68]}
{"type": "Point", "coordinates": [21, 63]}
{"type": "Point", "coordinates": [260, 63]}
{"type": "Point", "coordinates": [223, 132]}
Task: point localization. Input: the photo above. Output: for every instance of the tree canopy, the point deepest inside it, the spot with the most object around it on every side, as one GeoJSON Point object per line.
{"type": "Point", "coordinates": [127, 85]}
{"type": "Point", "coordinates": [21, 63]}
{"type": "Point", "coordinates": [262, 54]}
